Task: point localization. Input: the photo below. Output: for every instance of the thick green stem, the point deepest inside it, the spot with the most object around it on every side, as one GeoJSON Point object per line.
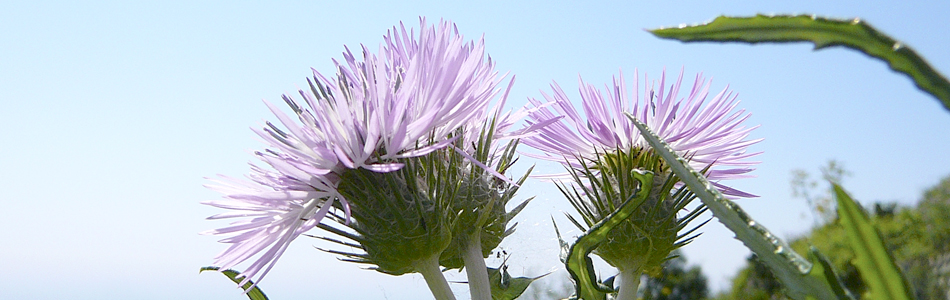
{"type": "Point", "coordinates": [629, 284]}
{"type": "Point", "coordinates": [429, 268]}
{"type": "Point", "coordinates": [475, 268]}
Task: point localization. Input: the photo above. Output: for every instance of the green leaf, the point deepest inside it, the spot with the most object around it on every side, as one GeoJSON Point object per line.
{"type": "Point", "coordinates": [787, 265]}
{"type": "Point", "coordinates": [854, 34]}
{"type": "Point", "coordinates": [578, 260]}
{"type": "Point", "coordinates": [827, 270]}
{"type": "Point", "coordinates": [254, 293]}
{"type": "Point", "coordinates": [503, 287]}
{"type": "Point", "coordinates": [876, 265]}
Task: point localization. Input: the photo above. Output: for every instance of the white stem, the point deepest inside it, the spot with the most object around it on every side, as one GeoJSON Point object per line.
{"type": "Point", "coordinates": [429, 268]}
{"type": "Point", "coordinates": [629, 284]}
{"type": "Point", "coordinates": [475, 268]}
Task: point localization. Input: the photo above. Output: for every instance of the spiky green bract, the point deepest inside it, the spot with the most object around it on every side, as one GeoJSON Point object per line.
{"type": "Point", "coordinates": [504, 287]}
{"type": "Point", "coordinates": [643, 241]}
{"type": "Point", "coordinates": [576, 256]}
{"type": "Point", "coordinates": [482, 196]}
{"type": "Point", "coordinates": [427, 208]}
{"type": "Point", "coordinates": [400, 217]}
{"type": "Point", "coordinates": [481, 201]}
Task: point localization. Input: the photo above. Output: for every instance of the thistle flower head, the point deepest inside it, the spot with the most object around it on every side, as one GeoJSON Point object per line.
{"type": "Point", "coordinates": [602, 149]}
{"type": "Point", "coordinates": [465, 190]}
{"type": "Point", "coordinates": [376, 112]}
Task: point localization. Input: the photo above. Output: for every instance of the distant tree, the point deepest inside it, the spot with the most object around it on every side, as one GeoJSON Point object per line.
{"type": "Point", "coordinates": [754, 282]}
{"type": "Point", "coordinates": [935, 211]}
{"type": "Point", "coordinates": [935, 207]}
{"type": "Point", "coordinates": [918, 237]}
{"type": "Point", "coordinates": [822, 204]}
{"type": "Point", "coordinates": [676, 282]}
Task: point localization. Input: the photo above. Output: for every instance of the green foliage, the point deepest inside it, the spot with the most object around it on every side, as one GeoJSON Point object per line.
{"type": "Point", "coordinates": [904, 234]}
{"type": "Point", "coordinates": [788, 266]}
{"type": "Point", "coordinates": [676, 282]}
{"type": "Point", "coordinates": [916, 236]}
{"type": "Point", "coordinates": [254, 293]}
{"type": "Point", "coordinates": [824, 266]}
{"type": "Point", "coordinates": [754, 282]}
{"type": "Point", "coordinates": [877, 253]}
{"type": "Point", "coordinates": [854, 34]}
{"type": "Point", "coordinates": [935, 211]}
{"type": "Point", "coordinates": [875, 263]}
{"type": "Point", "coordinates": [933, 267]}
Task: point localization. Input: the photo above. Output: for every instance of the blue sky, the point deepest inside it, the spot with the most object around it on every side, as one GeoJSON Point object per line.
{"type": "Point", "coordinates": [114, 112]}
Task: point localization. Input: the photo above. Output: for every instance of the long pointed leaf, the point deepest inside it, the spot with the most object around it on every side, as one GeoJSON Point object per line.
{"type": "Point", "coordinates": [876, 265]}
{"type": "Point", "coordinates": [854, 34]}
{"type": "Point", "coordinates": [253, 294]}
{"type": "Point", "coordinates": [787, 265]}
{"type": "Point", "coordinates": [824, 266]}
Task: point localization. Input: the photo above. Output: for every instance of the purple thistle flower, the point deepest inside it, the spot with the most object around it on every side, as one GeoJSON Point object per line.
{"type": "Point", "coordinates": [710, 135]}
{"type": "Point", "coordinates": [405, 103]}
